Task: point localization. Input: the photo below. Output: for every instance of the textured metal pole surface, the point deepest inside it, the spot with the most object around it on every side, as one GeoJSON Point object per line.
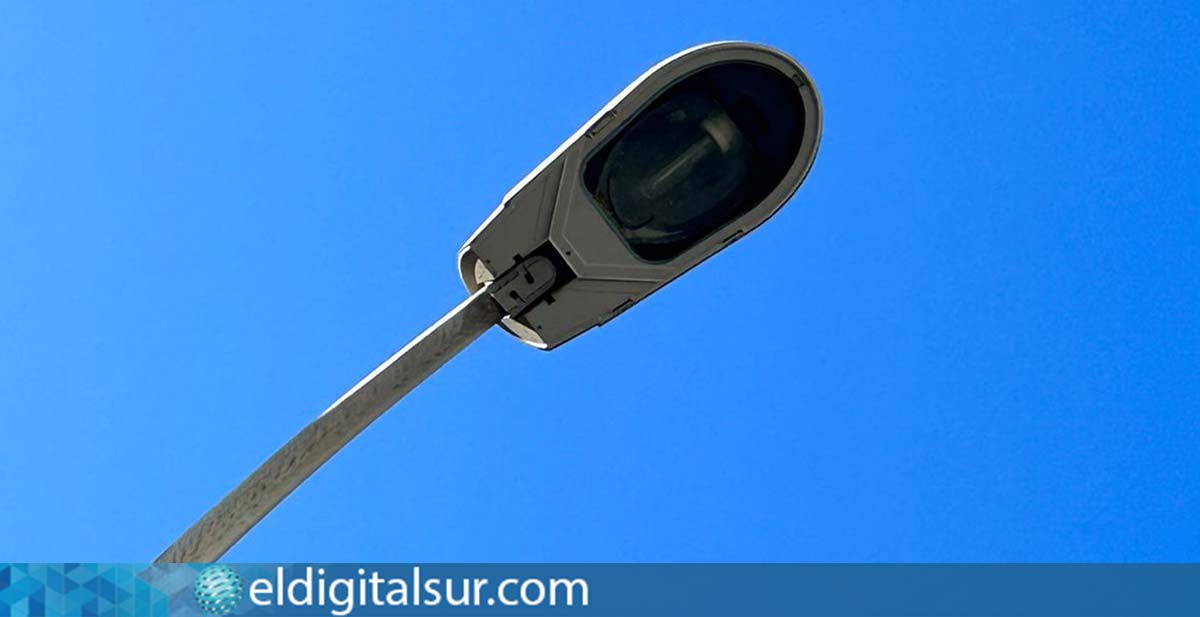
{"type": "Point", "coordinates": [225, 524]}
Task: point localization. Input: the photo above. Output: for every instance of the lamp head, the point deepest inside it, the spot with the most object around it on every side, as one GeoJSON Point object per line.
{"type": "Point", "coordinates": [691, 156]}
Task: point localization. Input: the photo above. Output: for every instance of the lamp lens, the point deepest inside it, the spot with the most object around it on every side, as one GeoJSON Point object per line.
{"type": "Point", "coordinates": [703, 153]}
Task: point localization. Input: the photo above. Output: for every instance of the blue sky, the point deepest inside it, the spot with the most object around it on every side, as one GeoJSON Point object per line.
{"type": "Point", "coordinates": [972, 335]}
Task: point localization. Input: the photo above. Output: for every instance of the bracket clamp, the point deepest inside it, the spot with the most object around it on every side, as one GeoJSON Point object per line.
{"type": "Point", "coordinates": [523, 285]}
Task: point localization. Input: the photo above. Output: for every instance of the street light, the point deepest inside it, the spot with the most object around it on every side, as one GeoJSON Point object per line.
{"type": "Point", "coordinates": [693, 155]}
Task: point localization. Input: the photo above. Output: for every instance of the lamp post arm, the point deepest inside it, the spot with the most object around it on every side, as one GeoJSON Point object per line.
{"type": "Point", "coordinates": [222, 526]}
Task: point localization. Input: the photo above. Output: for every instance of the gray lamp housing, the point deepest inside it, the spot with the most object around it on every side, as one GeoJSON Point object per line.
{"type": "Point", "coordinates": [696, 153]}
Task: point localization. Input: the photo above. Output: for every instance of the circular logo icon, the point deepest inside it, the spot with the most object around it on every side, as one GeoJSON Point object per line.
{"type": "Point", "coordinates": [218, 590]}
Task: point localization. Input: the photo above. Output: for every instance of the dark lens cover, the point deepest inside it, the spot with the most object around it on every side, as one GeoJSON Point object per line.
{"type": "Point", "coordinates": [704, 152]}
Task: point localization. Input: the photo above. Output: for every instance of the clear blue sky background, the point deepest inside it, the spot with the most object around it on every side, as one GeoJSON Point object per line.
{"type": "Point", "coordinates": [972, 335]}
